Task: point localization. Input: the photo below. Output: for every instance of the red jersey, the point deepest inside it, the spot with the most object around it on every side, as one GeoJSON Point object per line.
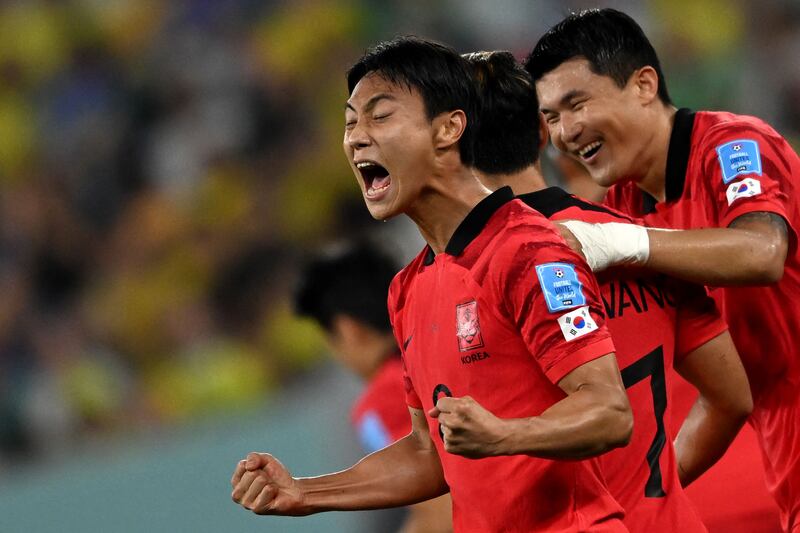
{"type": "Point", "coordinates": [721, 166]}
{"type": "Point", "coordinates": [654, 321]}
{"type": "Point", "coordinates": [380, 415]}
{"type": "Point", "coordinates": [505, 313]}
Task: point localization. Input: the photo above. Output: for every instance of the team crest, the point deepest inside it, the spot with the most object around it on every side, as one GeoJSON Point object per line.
{"type": "Point", "coordinates": [468, 329]}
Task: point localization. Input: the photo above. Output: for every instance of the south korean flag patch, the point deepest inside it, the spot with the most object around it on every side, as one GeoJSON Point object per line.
{"type": "Point", "coordinates": [743, 189]}
{"type": "Point", "coordinates": [576, 323]}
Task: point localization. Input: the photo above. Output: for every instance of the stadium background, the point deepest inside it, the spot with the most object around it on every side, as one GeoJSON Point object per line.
{"type": "Point", "coordinates": [163, 166]}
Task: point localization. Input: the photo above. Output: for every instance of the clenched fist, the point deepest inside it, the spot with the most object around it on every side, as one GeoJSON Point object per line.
{"type": "Point", "coordinates": [468, 429]}
{"type": "Point", "coordinates": [263, 485]}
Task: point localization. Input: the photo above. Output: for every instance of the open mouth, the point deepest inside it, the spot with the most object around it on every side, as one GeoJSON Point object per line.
{"type": "Point", "coordinates": [588, 151]}
{"type": "Point", "coordinates": [376, 178]}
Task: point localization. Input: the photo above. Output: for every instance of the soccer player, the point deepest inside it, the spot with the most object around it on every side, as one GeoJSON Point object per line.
{"type": "Point", "coordinates": [511, 380]}
{"type": "Point", "coordinates": [603, 95]}
{"type": "Point", "coordinates": [655, 323]}
{"type": "Point", "coordinates": [344, 290]}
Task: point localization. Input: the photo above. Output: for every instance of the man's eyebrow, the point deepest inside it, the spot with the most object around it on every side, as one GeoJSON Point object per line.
{"type": "Point", "coordinates": [569, 95]}
{"type": "Point", "coordinates": [372, 102]}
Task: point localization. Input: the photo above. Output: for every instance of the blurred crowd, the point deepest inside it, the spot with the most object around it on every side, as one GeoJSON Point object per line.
{"type": "Point", "coordinates": [165, 164]}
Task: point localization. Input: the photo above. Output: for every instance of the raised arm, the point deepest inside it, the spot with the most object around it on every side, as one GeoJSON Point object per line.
{"type": "Point", "coordinates": [408, 471]}
{"type": "Point", "coordinates": [592, 419]}
{"type": "Point", "coordinates": [719, 412]}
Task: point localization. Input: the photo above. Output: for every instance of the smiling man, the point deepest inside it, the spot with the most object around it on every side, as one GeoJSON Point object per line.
{"type": "Point", "coordinates": [658, 324]}
{"type": "Point", "coordinates": [603, 94]}
{"type": "Point", "coordinates": [510, 377]}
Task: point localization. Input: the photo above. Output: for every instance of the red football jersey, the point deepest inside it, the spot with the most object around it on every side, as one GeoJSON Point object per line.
{"type": "Point", "coordinates": [380, 415]}
{"type": "Point", "coordinates": [654, 321]}
{"type": "Point", "coordinates": [721, 166]}
{"type": "Point", "coordinates": [505, 313]}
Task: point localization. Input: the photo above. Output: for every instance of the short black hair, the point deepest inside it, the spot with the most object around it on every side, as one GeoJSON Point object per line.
{"type": "Point", "coordinates": [350, 279]}
{"type": "Point", "coordinates": [508, 135]}
{"type": "Point", "coordinates": [611, 41]}
{"type": "Point", "coordinates": [441, 76]}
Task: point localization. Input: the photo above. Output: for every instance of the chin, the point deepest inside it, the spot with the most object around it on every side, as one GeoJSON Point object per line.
{"type": "Point", "coordinates": [604, 177]}
{"type": "Point", "coordinates": [379, 212]}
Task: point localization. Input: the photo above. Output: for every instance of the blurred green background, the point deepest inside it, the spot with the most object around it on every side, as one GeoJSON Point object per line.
{"type": "Point", "coordinates": [164, 165]}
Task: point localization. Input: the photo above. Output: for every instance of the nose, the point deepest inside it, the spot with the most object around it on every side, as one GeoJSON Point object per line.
{"type": "Point", "coordinates": [356, 137]}
{"type": "Point", "coordinates": [570, 128]}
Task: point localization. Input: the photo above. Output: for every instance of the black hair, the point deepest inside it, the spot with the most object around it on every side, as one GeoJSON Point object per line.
{"type": "Point", "coordinates": [351, 280]}
{"type": "Point", "coordinates": [508, 138]}
{"type": "Point", "coordinates": [441, 76]}
{"type": "Point", "coordinates": [611, 41]}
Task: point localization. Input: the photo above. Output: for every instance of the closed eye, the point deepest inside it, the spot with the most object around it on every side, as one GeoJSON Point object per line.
{"type": "Point", "coordinates": [578, 104]}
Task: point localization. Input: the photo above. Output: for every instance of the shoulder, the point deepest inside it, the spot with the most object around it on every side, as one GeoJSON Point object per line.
{"type": "Point", "coordinates": [586, 211]}
{"type": "Point", "coordinates": [526, 239]}
{"type": "Point", "coordinates": [557, 204]}
{"type": "Point", "coordinates": [718, 127]}
{"type": "Point", "coordinates": [523, 230]}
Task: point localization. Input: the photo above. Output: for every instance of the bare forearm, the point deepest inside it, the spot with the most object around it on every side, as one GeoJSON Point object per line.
{"type": "Point", "coordinates": [584, 424]}
{"type": "Point", "coordinates": [703, 438]}
{"type": "Point", "coordinates": [716, 256]}
{"type": "Point", "coordinates": [401, 474]}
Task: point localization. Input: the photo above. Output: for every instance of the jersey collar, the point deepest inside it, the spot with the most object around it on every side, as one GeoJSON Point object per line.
{"type": "Point", "coordinates": [553, 200]}
{"type": "Point", "coordinates": [547, 201]}
{"type": "Point", "coordinates": [476, 220]}
{"type": "Point", "coordinates": [474, 223]}
{"type": "Point", "coordinates": [680, 144]}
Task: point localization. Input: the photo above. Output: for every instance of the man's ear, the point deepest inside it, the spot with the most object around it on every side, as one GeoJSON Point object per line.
{"type": "Point", "coordinates": [448, 128]}
{"type": "Point", "coordinates": [645, 82]}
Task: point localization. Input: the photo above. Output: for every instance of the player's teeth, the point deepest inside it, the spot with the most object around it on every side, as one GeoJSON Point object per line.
{"type": "Point", "coordinates": [583, 151]}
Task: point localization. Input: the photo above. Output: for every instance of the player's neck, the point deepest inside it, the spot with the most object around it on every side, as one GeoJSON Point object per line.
{"type": "Point", "coordinates": [444, 203]}
{"type": "Point", "coordinates": [653, 180]}
{"type": "Point", "coordinates": [525, 181]}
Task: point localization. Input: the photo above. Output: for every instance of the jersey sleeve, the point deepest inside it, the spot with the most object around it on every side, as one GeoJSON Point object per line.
{"type": "Point", "coordinates": [397, 329]}
{"type": "Point", "coordinates": [698, 319]}
{"type": "Point", "coordinates": [411, 393]}
{"type": "Point", "coordinates": [554, 300]}
{"type": "Point", "coordinates": [747, 168]}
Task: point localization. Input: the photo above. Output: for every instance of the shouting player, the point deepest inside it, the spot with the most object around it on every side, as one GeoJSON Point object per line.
{"type": "Point", "coordinates": [603, 95]}
{"type": "Point", "coordinates": [511, 380]}
{"type": "Point", "coordinates": [344, 290]}
{"type": "Point", "coordinates": [655, 322]}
